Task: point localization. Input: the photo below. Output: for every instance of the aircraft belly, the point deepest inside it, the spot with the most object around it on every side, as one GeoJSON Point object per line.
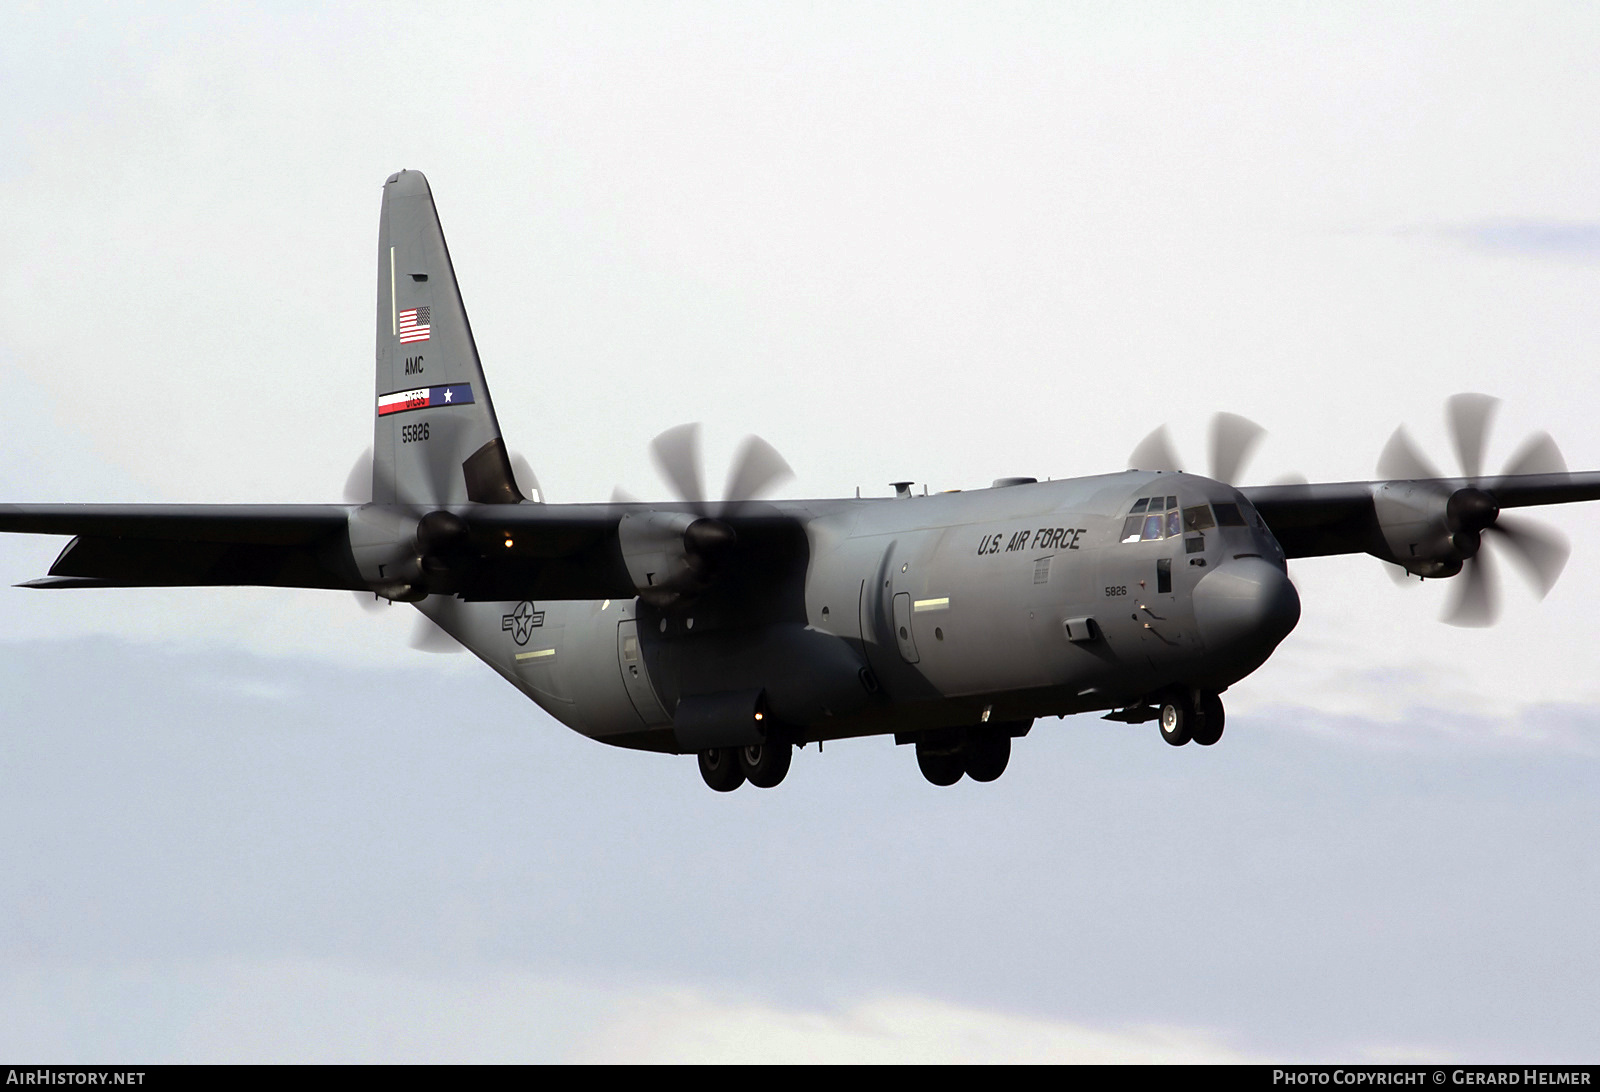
{"type": "Point", "coordinates": [563, 655]}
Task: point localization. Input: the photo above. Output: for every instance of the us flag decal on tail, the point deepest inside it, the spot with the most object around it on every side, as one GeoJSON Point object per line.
{"type": "Point", "coordinates": [415, 324]}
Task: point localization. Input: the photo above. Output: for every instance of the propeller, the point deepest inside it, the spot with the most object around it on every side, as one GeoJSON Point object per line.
{"type": "Point", "coordinates": [757, 467]}
{"type": "Point", "coordinates": [674, 556]}
{"type": "Point", "coordinates": [1232, 440]}
{"type": "Point", "coordinates": [441, 536]}
{"type": "Point", "coordinates": [1537, 551]}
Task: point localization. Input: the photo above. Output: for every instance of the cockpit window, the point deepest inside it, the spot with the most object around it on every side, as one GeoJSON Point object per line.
{"type": "Point", "coordinates": [1228, 515]}
{"type": "Point", "coordinates": [1153, 518]}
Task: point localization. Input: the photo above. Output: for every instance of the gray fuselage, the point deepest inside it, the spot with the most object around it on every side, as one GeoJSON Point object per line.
{"type": "Point", "coordinates": [912, 613]}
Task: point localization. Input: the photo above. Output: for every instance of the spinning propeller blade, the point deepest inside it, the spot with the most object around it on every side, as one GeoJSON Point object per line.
{"type": "Point", "coordinates": [756, 468]}
{"type": "Point", "coordinates": [1469, 417]}
{"type": "Point", "coordinates": [676, 453]}
{"type": "Point", "coordinates": [1155, 453]}
{"type": "Point", "coordinates": [1233, 439]}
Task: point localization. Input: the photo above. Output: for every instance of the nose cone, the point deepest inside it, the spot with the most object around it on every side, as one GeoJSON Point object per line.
{"type": "Point", "coordinates": [1243, 608]}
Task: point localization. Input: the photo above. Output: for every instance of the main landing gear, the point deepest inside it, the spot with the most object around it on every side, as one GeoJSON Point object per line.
{"type": "Point", "coordinates": [945, 756]}
{"type": "Point", "coordinates": [763, 765]}
{"type": "Point", "coordinates": [1184, 715]}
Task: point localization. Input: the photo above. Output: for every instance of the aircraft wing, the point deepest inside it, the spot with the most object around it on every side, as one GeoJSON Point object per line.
{"type": "Point", "coordinates": [168, 545]}
{"type": "Point", "coordinates": [1314, 520]}
{"type": "Point", "coordinates": [555, 551]}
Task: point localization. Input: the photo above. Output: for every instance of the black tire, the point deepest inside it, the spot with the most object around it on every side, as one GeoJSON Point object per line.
{"type": "Point", "coordinates": [941, 769]}
{"type": "Point", "coordinates": [987, 752]}
{"type": "Point", "coordinates": [1175, 718]}
{"type": "Point", "coordinates": [720, 768]}
{"type": "Point", "coordinates": [1208, 726]}
{"type": "Point", "coordinates": [765, 764]}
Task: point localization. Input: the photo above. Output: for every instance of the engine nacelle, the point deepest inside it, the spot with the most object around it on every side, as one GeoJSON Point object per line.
{"type": "Point", "coordinates": [672, 556]}
{"type": "Point", "coordinates": [1428, 530]}
{"type": "Point", "coordinates": [402, 556]}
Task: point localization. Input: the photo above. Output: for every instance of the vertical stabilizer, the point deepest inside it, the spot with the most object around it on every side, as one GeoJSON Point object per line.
{"type": "Point", "coordinates": [436, 439]}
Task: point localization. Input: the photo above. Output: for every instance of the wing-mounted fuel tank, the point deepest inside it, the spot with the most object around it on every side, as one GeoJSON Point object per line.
{"type": "Point", "coordinates": [1430, 529]}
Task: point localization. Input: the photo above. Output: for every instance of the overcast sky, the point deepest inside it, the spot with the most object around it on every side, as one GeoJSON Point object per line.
{"type": "Point", "coordinates": [938, 242]}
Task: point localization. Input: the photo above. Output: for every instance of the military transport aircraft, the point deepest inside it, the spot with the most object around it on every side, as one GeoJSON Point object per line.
{"type": "Point", "coordinates": [738, 629]}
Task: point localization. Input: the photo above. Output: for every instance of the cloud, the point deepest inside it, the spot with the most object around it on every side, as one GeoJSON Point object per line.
{"type": "Point", "coordinates": [1572, 240]}
{"type": "Point", "coordinates": [314, 1011]}
{"type": "Point", "coordinates": [689, 1026]}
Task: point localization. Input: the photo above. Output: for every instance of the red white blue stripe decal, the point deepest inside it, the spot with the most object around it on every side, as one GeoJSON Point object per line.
{"type": "Point", "coordinates": [457, 394]}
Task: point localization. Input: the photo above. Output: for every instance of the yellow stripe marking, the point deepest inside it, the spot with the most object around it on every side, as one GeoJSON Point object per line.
{"type": "Point", "coordinates": [921, 605]}
{"type": "Point", "coordinates": [537, 654]}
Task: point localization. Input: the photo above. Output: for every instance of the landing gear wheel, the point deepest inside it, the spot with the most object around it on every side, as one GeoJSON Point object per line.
{"type": "Point", "coordinates": [720, 767]}
{"type": "Point", "coordinates": [1176, 719]}
{"type": "Point", "coordinates": [941, 769]}
{"type": "Point", "coordinates": [1208, 726]}
{"type": "Point", "coordinates": [765, 764]}
{"type": "Point", "coordinates": [986, 755]}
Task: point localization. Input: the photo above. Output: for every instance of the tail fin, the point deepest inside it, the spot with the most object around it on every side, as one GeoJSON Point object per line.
{"type": "Point", "coordinates": [436, 440]}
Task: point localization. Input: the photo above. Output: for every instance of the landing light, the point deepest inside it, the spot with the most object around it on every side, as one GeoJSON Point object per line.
{"type": "Point", "coordinates": [759, 715]}
{"type": "Point", "coordinates": [508, 543]}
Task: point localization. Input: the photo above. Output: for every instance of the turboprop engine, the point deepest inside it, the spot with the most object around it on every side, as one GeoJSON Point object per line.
{"type": "Point", "coordinates": [673, 556]}
{"type": "Point", "coordinates": [403, 556]}
{"type": "Point", "coordinates": [1432, 532]}
{"type": "Point", "coordinates": [1436, 528]}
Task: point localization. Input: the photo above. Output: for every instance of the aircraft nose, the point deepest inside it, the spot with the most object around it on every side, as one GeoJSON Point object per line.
{"type": "Point", "coordinates": [1245, 606]}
